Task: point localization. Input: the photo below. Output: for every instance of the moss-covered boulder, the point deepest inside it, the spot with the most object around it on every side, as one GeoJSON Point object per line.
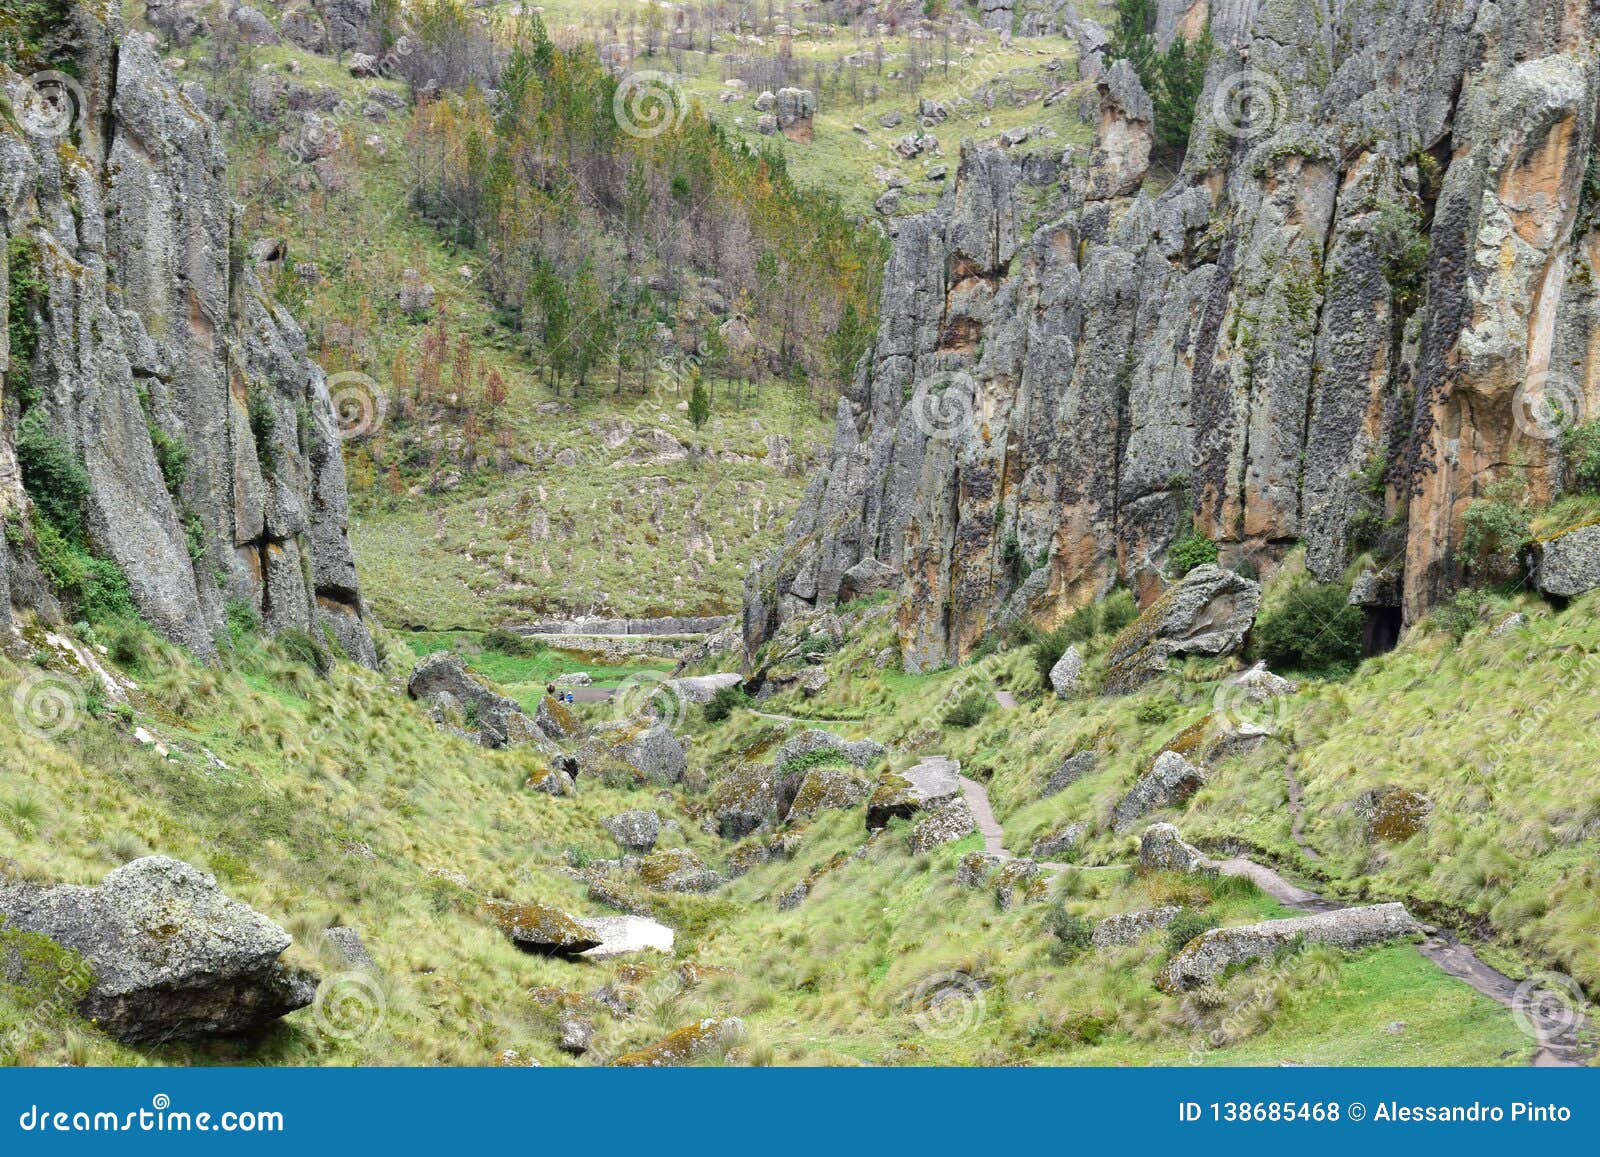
{"type": "Point", "coordinates": [542, 929]}
{"type": "Point", "coordinates": [1127, 927]}
{"type": "Point", "coordinates": [825, 788]}
{"type": "Point", "coordinates": [950, 821]}
{"type": "Point", "coordinates": [701, 1041]}
{"type": "Point", "coordinates": [644, 750]}
{"type": "Point", "coordinates": [1161, 849]}
{"type": "Point", "coordinates": [925, 786]}
{"type": "Point", "coordinates": [556, 719]}
{"type": "Point", "coordinates": [1171, 781]}
{"type": "Point", "coordinates": [678, 870]}
{"type": "Point", "coordinates": [744, 799]}
{"type": "Point", "coordinates": [1209, 955]}
{"type": "Point", "coordinates": [634, 831]}
{"type": "Point", "coordinates": [1393, 814]}
{"type": "Point", "coordinates": [1207, 612]}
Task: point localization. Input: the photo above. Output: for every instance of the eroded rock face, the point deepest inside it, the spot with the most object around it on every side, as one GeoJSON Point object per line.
{"type": "Point", "coordinates": [146, 323]}
{"type": "Point", "coordinates": [1206, 957]}
{"type": "Point", "coordinates": [173, 957]}
{"type": "Point", "coordinates": [1235, 352]}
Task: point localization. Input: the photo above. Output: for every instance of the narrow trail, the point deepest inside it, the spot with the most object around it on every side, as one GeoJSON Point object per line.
{"type": "Point", "coordinates": [1558, 1030]}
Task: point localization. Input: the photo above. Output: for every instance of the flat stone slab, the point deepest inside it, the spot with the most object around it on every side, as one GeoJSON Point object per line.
{"type": "Point", "coordinates": [623, 935]}
{"type": "Point", "coordinates": [1207, 956]}
{"type": "Point", "coordinates": [700, 688]}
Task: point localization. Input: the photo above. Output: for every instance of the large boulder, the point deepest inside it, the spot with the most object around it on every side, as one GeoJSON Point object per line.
{"type": "Point", "coordinates": [1208, 955]}
{"type": "Point", "coordinates": [1067, 672]}
{"type": "Point", "coordinates": [1073, 768]}
{"type": "Point", "coordinates": [1568, 564]}
{"type": "Point", "coordinates": [644, 748]}
{"type": "Point", "coordinates": [173, 957]}
{"type": "Point", "coordinates": [1058, 842]}
{"type": "Point", "coordinates": [859, 752]}
{"type": "Point", "coordinates": [1161, 849]}
{"type": "Point", "coordinates": [678, 870]}
{"type": "Point", "coordinates": [635, 831]}
{"type": "Point", "coordinates": [923, 787]}
{"type": "Point", "coordinates": [795, 108]}
{"type": "Point", "coordinates": [700, 688]}
{"type": "Point", "coordinates": [1207, 612]}
{"type": "Point", "coordinates": [555, 719]}
{"type": "Point", "coordinates": [442, 677]}
{"type": "Point", "coordinates": [1127, 927]}
{"type": "Point", "coordinates": [542, 929]}
{"type": "Point", "coordinates": [1171, 780]}
{"type": "Point", "coordinates": [744, 799]}
{"type": "Point", "coordinates": [823, 788]}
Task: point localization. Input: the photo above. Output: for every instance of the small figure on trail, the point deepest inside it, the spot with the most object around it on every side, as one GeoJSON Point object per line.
{"type": "Point", "coordinates": [549, 688]}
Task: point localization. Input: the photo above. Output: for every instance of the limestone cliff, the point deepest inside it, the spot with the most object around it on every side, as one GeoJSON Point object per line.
{"type": "Point", "coordinates": [152, 342]}
{"type": "Point", "coordinates": [1351, 311]}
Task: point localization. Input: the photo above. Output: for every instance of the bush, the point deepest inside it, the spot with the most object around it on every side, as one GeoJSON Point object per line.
{"type": "Point", "coordinates": [814, 646]}
{"type": "Point", "coordinates": [1495, 528]}
{"type": "Point", "coordinates": [504, 642]}
{"type": "Point", "coordinates": [53, 477]}
{"type": "Point", "coordinates": [172, 455]}
{"type": "Point", "coordinates": [96, 587]}
{"type": "Point", "coordinates": [724, 702]}
{"type": "Point", "coordinates": [1071, 935]}
{"type": "Point", "coordinates": [1580, 447]}
{"type": "Point", "coordinates": [1186, 925]}
{"type": "Point", "coordinates": [1107, 616]}
{"type": "Point", "coordinates": [968, 710]}
{"type": "Point", "coordinates": [1155, 711]}
{"type": "Point", "coordinates": [1460, 614]}
{"type": "Point", "coordinates": [242, 620]}
{"type": "Point", "coordinates": [1187, 553]}
{"type": "Point", "coordinates": [1117, 610]}
{"type": "Point", "coordinates": [1313, 629]}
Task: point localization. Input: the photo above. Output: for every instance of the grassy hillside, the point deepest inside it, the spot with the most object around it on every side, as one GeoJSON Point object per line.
{"type": "Point", "coordinates": [334, 800]}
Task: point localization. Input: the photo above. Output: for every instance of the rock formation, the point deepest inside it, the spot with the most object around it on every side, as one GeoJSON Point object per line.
{"type": "Point", "coordinates": [1371, 265]}
{"type": "Point", "coordinates": [151, 341]}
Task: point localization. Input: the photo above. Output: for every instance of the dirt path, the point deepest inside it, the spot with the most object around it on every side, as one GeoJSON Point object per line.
{"type": "Point", "coordinates": [1555, 1027]}
{"type": "Point", "coordinates": [1005, 698]}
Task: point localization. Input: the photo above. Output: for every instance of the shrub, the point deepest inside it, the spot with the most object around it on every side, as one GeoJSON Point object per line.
{"type": "Point", "coordinates": [242, 620]}
{"type": "Point", "coordinates": [53, 477]}
{"type": "Point", "coordinates": [1117, 610]}
{"type": "Point", "coordinates": [1403, 253]}
{"type": "Point", "coordinates": [1187, 553]}
{"type": "Point", "coordinates": [172, 455]}
{"type": "Point", "coordinates": [1495, 528]}
{"type": "Point", "coordinates": [1313, 629]}
{"type": "Point", "coordinates": [1186, 925]}
{"type": "Point", "coordinates": [96, 587]}
{"type": "Point", "coordinates": [1071, 935]}
{"type": "Point", "coordinates": [505, 642]}
{"type": "Point", "coordinates": [813, 646]}
{"type": "Point", "coordinates": [1580, 447]}
{"type": "Point", "coordinates": [968, 710]}
{"type": "Point", "coordinates": [724, 702]}
{"type": "Point", "coordinates": [1155, 711]}
{"type": "Point", "coordinates": [1461, 613]}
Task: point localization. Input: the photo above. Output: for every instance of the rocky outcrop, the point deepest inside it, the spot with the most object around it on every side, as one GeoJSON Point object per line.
{"type": "Point", "coordinates": [154, 334]}
{"type": "Point", "coordinates": [794, 109]}
{"type": "Point", "coordinates": [678, 870]}
{"type": "Point", "coordinates": [703, 1040]}
{"type": "Point", "coordinates": [172, 956]}
{"type": "Point", "coordinates": [1206, 957]}
{"type": "Point", "coordinates": [1161, 849]}
{"type": "Point", "coordinates": [928, 785]}
{"type": "Point", "coordinates": [1066, 672]}
{"type": "Point", "coordinates": [1127, 927]}
{"type": "Point", "coordinates": [856, 752]}
{"type": "Point", "coordinates": [1059, 842]}
{"type": "Point", "coordinates": [635, 831]}
{"type": "Point", "coordinates": [1171, 780]}
{"type": "Point", "coordinates": [1208, 612]}
{"type": "Point", "coordinates": [1071, 769]}
{"type": "Point", "coordinates": [441, 680]}
{"type": "Point", "coordinates": [645, 750]}
{"type": "Point", "coordinates": [1330, 329]}
{"type": "Point", "coordinates": [943, 824]}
